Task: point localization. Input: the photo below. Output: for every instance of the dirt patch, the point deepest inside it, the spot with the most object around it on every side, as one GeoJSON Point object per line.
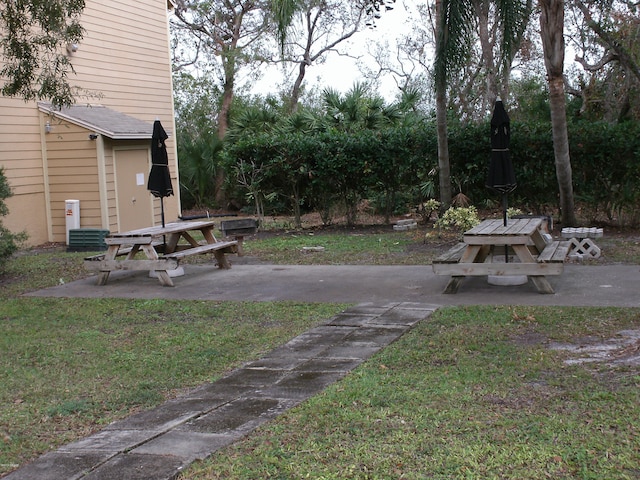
{"type": "Point", "coordinates": [531, 339]}
{"type": "Point", "coordinates": [621, 350]}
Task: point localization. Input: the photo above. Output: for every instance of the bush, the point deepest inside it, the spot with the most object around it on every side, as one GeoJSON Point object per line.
{"type": "Point", "coordinates": [461, 218]}
{"type": "Point", "coordinates": [397, 166]}
{"type": "Point", "coordinates": [9, 242]}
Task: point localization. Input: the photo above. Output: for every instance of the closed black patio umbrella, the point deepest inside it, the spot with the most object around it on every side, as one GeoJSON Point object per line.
{"type": "Point", "coordinates": [159, 183]}
{"type": "Point", "coordinates": [501, 177]}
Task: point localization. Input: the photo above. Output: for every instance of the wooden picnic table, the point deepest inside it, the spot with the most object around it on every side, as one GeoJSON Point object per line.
{"type": "Point", "coordinates": [162, 247]}
{"type": "Point", "coordinates": [486, 242]}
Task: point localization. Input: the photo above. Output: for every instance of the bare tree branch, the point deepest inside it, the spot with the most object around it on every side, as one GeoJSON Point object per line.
{"type": "Point", "coordinates": [624, 57]}
{"type": "Point", "coordinates": [607, 58]}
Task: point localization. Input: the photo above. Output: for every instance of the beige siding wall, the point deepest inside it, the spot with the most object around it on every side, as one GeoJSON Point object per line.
{"type": "Point", "coordinates": [22, 161]}
{"type": "Point", "coordinates": [124, 57]}
{"type": "Point", "coordinates": [110, 185]}
{"type": "Point", "coordinates": [123, 63]}
{"type": "Point", "coordinates": [73, 174]}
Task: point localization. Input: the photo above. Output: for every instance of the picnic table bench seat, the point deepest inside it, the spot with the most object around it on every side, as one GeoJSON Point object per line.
{"type": "Point", "coordinates": [187, 250]}
{"type": "Point", "coordinates": [453, 255]}
{"type": "Point", "coordinates": [228, 246]}
{"type": "Point", "coordinates": [122, 251]}
{"type": "Point", "coordinates": [555, 252]}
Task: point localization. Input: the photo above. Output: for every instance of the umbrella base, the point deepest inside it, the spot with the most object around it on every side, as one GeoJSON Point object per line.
{"type": "Point", "coordinates": [177, 272]}
{"type": "Point", "coordinates": [506, 280]}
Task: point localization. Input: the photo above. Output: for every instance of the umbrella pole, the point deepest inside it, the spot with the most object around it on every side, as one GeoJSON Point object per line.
{"type": "Point", "coordinates": [504, 219]}
{"type": "Point", "coordinates": [164, 237]}
{"type": "Point", "coordinates": [504, 209]}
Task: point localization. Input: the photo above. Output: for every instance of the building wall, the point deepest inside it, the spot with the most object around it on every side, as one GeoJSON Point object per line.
{"type": "Point", "coordinates": [124, 58]}
{"type": "Point", "coordinates": [123, 63]}
{"type": "Point", "coordinates": [22, 162]}
{"type": "Point", "coordinates": [72, 174]}
{"type": "Point", "coordinates": [110, 187]}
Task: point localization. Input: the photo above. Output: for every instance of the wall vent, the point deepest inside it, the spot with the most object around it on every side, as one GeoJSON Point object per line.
{"type": "Point", "coordinates": [87, 240]}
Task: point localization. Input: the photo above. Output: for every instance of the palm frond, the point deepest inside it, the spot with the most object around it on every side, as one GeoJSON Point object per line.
{"type": "Point", "coordinates": [455, 22]}
{"type": "Point", "coordinates": [283, 12]}
{"type": "Point", "coordinates": [514, 16]}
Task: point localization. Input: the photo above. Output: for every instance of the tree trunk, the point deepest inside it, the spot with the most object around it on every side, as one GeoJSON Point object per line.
{"type": "Point", "coordinates": [223, 125]}
{"type": "Point", "coordinates": [444, 168]}
{"type": "Point", "coordinates": [561, 151]}
{"type": "Point", "coordinates": [295, 91]}
{"type": "Point", "coordinates": [552, 34]}
{"type": "Point", "coordinates": [228, 53]}
{"type": "Point", "coordinates": [225, 104]}
{"type": "Point", "coordinates": [487, 48]}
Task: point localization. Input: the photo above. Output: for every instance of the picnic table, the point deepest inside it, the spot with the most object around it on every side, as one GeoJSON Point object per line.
{"type": "Point", "coordinates": [163, 248]}
{"type": "Point", "coordinates": [482, 252]}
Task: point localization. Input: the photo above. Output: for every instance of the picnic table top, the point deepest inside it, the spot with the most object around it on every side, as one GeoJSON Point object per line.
{"type": "Point", "coordinates": [169, 228]}
{"type": "Point", "coordinates": [515, 226]}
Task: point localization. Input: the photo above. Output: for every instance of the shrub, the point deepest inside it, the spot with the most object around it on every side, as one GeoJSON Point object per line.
{"type": "Point", "coordinates": [9, 242]}
{"type": "Point", "coordinates": [397, 166]}
{"type": "Point", "coordinates": [462, 218]}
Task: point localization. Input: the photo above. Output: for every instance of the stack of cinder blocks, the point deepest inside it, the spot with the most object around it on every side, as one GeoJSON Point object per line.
{"type": "Point", "coordinates": [582, 243]}
{"type": "Point", "coordinates": [402, 225]}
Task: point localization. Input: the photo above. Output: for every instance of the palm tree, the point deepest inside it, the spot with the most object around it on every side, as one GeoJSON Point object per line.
{"type": "Point", "coordinates": [358, 109]}
{"type": "Point", "coordinates": [225, 30]}
{"type": "Point", "coordinates": [454, 34]}
{"type": "Point", "coordinates": [455, 24]}
{"type": "Point", "coordinates": [551, 31]}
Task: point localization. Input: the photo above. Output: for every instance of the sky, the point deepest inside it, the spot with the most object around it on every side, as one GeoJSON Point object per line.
{"type": "Point", "coordinates": [341, 72]}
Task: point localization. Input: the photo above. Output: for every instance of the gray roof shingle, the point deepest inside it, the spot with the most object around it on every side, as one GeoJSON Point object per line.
{"type": "Point", "coordinates": [102, 120]}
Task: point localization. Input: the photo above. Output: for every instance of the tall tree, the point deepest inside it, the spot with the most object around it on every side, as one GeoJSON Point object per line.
{"type": "Point", "coordinates": [223, 30]}
{"type": "Point", "coordinates": [448, 53]}
{"type": "Point", "coordinates": [552, 34]}
{"type": "Point", "coordinates": [322, 26]}
{"type": "Point", "coordinates": [455, 22]}
{"type": "Point", "coordinates": [34, 35]}
{"type": "Point", "coordinates": [608, 48]}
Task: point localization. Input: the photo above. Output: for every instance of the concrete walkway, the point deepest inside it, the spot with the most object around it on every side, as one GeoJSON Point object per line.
{"type": "Point", "coordinates": [159, 443]}
{"type": "Point", "coordinates": [579, 285]}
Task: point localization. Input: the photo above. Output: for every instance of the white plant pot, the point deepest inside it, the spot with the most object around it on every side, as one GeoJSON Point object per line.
{"type": "Point", "coordinates": [506, 280]}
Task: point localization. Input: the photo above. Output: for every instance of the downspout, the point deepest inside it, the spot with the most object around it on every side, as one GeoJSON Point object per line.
{"type": "Point", "coordinates": [45, 177]}
{"type": "Point", "coordinates": [102, 182]}
{"type": "Point", "coordinates": [174, 142]}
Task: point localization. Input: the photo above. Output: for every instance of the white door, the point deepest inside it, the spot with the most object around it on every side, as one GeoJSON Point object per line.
{"type": "Point", "coordinates": [134, 202]}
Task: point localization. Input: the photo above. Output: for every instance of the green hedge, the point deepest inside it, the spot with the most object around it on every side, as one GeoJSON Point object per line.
{"type": "Point", "coordinates": [317, 170]}
{"type": "Point", "coordinates": [605, 160]}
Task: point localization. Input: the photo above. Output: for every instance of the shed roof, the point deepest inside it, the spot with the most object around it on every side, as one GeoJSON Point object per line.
{"type": "Point", "coordinates": [102, 120]}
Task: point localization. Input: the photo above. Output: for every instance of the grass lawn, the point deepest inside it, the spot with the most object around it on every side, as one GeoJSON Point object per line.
{"type": "Point", "coordinates": [473, 393]}
{"type": "Point", "coordinates": [476, 392]}
{"type": "Point", "coordinates": [68, 367]}
{"type": "Point", "coordinates": [351, 248]}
